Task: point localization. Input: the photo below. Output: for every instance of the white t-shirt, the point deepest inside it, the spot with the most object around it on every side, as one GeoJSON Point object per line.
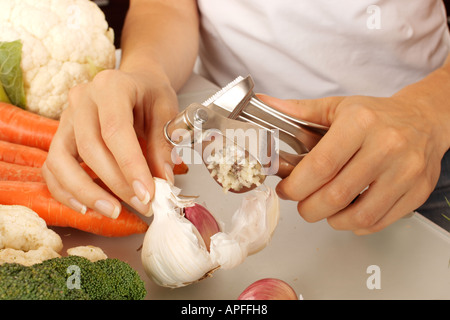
{"type": "Point", "coordinates": [315, 48]}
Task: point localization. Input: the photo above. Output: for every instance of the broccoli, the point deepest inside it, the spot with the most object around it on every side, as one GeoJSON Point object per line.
{"type": "Point", "coordinates": [71, 278]}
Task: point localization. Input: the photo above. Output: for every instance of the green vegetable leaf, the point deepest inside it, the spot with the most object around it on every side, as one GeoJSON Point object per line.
{"type": "Point", "coordinates": [3, 95]}
{"type": "Point", "coordinates": [448, 202]}
{"type": "Point", "coordinates": [11, 77]}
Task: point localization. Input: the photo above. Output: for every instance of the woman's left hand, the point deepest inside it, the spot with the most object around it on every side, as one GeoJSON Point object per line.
{"type": "Point", "coordinates": [393, 146]}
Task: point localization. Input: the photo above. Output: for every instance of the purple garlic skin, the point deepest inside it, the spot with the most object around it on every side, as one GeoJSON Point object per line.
{"type": "Point", "coordinates": [204, 221]}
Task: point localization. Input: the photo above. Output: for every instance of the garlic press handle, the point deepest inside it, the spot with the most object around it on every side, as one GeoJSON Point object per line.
{"type": "Point", "coordinates": [287, 162]}
{"type": "Point", "coordinates": [238, 101]}
{"type": "Point", "coordinates": [301, 135]}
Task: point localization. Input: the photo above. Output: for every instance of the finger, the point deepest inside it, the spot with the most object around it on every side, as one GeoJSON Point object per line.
{"type": "Point", "coordinates": [77, 190]}
{"type": "Point", "coordinates": [323, 162]}
{"type": "Point", "coordinates": [159, 151]}
{"type": "Point", "coordinates": [396, 212]}
{"type": "Point", "coordinates": [117, 131]}
{"type": "Point", "coordinates": [368, 208]}
{"type": "Point", "coordinates": [411, 199]}
{"type": "Point", "coordinates": [321, 111]}
{"type": "Point", "coordinates": [381, 195]}
{"type": "Point", "coordinates": [383, 203]}
{"type": "Point", "coordinates": [94, 152]}
{"type": "Point", "coordinates": [69, 183]}
{"type": "Point", "coordinates": [97, 156]}
{"type": "Point", "coordinates": [336, 195]}
{"type": "Point", "coordinates": [59, 193]}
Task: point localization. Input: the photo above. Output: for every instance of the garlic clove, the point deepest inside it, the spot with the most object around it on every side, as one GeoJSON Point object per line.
{"type": "Point", "coordinates": [256, 219]}
{"type": "Point", "coordinates": [269, 289]}
{"type": "Point", "coordinates": [203, 221]}
{"type": "Point", "coordinates": [252, 226]}
{"type": "Point", "coordinates": [226, 251]}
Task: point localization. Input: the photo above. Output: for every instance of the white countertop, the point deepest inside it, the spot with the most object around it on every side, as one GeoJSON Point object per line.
{"type": "Point", "coordinates": [413, 255]}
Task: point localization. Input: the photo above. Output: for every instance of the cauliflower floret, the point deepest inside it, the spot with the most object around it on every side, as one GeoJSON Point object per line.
{"type": "Point", "coordinates": [22, 229]}
{"type": "Point", "coordinates": [27, 258]}
{"type": "Point", "coordinates": [62, 41]}
{"type": "Point", "coordinates": [89, 252]}
{"type": "Point", "coordinates": [25, 239]}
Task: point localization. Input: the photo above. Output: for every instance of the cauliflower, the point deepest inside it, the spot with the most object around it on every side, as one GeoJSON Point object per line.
{"type": "Point", "coordinates": [89, 252]}
{"type": "Point", "coordinates": [27, 258]}
{"type": "Point", "coordinates": [26, 240]}
{"type": "Point", "coordinates": [64, 43]}
{"type": "Point", "coordinates": [22, 229]}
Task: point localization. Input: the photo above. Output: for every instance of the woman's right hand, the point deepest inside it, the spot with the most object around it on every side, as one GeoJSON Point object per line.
{"type": "Point", "coordinates": [101, 127]}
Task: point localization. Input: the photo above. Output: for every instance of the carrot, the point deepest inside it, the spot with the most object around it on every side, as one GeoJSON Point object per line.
{"type": "Point", "coordinates": [17, 172]}
{"type": "Point", "coordinates": [23, 155]}
{"type": "Point", "coordinates": [21, 163]}
{"type": "Point", "coordinates": [36, 196]}
{"type": "Point", "coordinates": [26, 128]}
{"type": "Point", "coordinates": [181, 168]}
{"type": "Point", "coordinates": [89, 171]}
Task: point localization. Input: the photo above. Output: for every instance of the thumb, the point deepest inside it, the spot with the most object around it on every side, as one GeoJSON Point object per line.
{"type": "Point", "coordinates": [320, 111]}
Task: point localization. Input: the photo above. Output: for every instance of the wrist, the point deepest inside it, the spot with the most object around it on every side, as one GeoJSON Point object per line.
{"type": "Point", "coordinates": [147, 73]}
{"type": "Point", "coordinates": [143, 63]}
{"type": "Point", "coordinates": [147, 59]}
{"type": "Point", "coordinates": [431, 98]}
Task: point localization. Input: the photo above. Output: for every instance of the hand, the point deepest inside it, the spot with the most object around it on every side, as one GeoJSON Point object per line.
{"type": "Point", "coordinates": [101, 127]}
{"type": "Point", "coordinates": [392, 145]}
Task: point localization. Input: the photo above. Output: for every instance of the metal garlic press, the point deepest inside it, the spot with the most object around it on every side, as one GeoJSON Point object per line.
{"type": "Point", "coordinates": [235, 115]}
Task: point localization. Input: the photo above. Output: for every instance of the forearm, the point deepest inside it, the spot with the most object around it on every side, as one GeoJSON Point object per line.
{"type": "Point", "coordinates": [433, 97]}
{"type": "Point", "coordinates": [161, 36]}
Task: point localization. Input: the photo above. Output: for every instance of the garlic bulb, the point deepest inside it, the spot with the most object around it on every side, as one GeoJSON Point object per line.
{"type": "Point", "coordinates": [174, 253]}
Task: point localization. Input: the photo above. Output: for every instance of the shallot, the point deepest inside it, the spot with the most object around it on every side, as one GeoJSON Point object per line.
{"type": "Point", "coordinates": [269, 289]}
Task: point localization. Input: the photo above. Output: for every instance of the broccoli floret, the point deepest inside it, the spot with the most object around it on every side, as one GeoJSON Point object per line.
{"type": "Point", "coordinates": [117, 281]}
{"type": "Point", "coordinates": [71, 278]}
{"type": "Point", "coordinates": [18, 282]}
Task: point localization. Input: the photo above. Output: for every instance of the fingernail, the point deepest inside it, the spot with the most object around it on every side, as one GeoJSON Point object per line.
{"type": "Point", "coordinates": [138, 205]}
{"type": "Point", "coordinates": [77, 205]}
{"type": "Point", "coordinates": [106, 208]}
{"type": "Point", "coordinates": [176, 159]}
{"type": "Point", "coordinates": [169, 173]}
{"type": "Point", "coordinates": [141, 192]}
